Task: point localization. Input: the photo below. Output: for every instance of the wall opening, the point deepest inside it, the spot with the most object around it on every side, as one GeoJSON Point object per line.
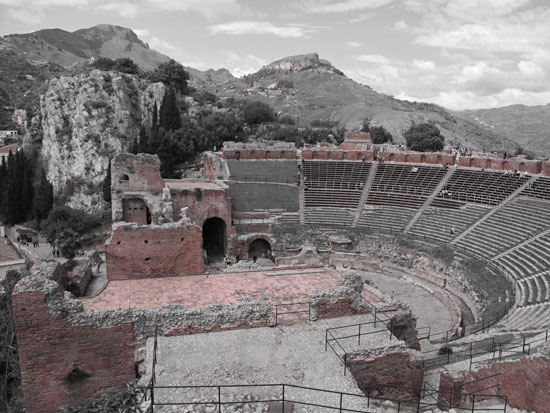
{"type": "Point", "coordinates": [259, 248]}
{"type": "Point", "coordinates": [135, 210]}
{"type": "Point", "coordinates": [214, 239]}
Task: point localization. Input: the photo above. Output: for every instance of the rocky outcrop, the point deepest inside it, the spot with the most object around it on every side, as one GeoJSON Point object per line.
{"type": "Point", "coordinates": [86, 120]}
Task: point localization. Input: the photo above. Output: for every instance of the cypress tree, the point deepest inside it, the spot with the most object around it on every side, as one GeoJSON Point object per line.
{"type": "Point", "coordinates": [106, 187]}
{"type": "Point", "coordinates": [27, 189]}
{"type": "Point", "coordinates": [169, 116]}
{"type": "Point", "coordinates": [3, 189]}
{"type": "Point", "coordinates": [143, 146]}
{"type": "Point", "coordinates": [43, 199]}
{"type": "Point", "coordinates": [155, 140]}
{"type": "Point", "coordinates": [13, 189]}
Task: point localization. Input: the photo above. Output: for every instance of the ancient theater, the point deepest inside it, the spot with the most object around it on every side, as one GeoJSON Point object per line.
{"type": "Point", "coordinates": [358, 277]}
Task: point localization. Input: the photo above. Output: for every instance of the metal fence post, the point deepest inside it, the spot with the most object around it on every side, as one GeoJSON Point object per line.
{"type": "Point", "coordinates": [283, 399]}
{"type": "Point", "coordinates": [219, 400]}
{"type": "Point", "coordinates": [345, 362]}
{"type": "Point", "coordinates": [341, 396]}
{"type": "Point", "coordinates": [359, 335]}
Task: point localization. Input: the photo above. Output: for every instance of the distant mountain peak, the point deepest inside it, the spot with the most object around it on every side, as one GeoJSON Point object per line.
{"type": "Point", "coordinates": [303, 62]}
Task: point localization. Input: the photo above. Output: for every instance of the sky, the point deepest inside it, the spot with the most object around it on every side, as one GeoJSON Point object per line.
{"type": "Point", "coordinates": [461, 54]}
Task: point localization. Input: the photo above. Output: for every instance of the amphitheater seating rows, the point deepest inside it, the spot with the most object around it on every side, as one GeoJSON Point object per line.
{"type": "Point", "coordinates": [385, 219]}
{"type": "Point", "coordinates": [349, 175]}
{"type": "Point", "coordinates": [482, 187]}
{"type": "Point", "coordinates": [407, 178]}
{"type": "Point", "coordinates": [288, 219]}
{"type": "Point", "coordinates": [514, 223]}
{"type": "Point", "coordinates": [331, 198]}
{"type": "Point", "coordinates": [525, 318]}
{"type": "Point", "coordinates": [436, 223]}
{"type": "Point", "coordinates": [395, 199]}
{"type": "Point", "coordinates": [540, 189]}
{"type": "Point", "coordinates": [328, 216]}
{"type": "Point", "coordinates": [530, 257]}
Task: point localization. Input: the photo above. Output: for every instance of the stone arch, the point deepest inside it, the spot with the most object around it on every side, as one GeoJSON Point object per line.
{"type": "Point", "coordinates": [391, 158]}
{"type": "Point", "coordinates": [124, 179]}
{"type": "Point", "coordinates": [136, 210]}
{"type": "Point", "coordinates": [522, 166]}
{"type": "Point", "coordinates": [214, 238]}
{"type": "Point", "coordinates": [259, 248]}
{"type": "Point", "coordinates": [488, 164]}
{"type": "Point", "coordinates": [422, 158]}
{"type": "Point", "coordinates": [472, 162]}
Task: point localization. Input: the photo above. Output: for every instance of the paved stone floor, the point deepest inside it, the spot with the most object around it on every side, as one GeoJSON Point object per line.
{"type": "Point", "coordinates": [292, 355]}
{"type": "Point", "coordinates": [225, 288]}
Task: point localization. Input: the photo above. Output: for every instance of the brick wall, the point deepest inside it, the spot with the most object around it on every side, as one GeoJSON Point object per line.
{"type": "Point", "coordinates": [376, 375]}
{"type": "Point", "coordinates": [334, 302]}
{"type": "Point", "coordinates": [264, 170]}
{"type": "Point", "coordinates": [134, 210]}
{"type": "Point", "coordinates": [203, 204]}
{"type": "Point", "coordinates": [50, 347]}
{"type": "Point", "coordinates": [522, 165]}
{"type": "Point", "coordinates": [147, 252]}
{"type": "Point", "coordinates": [525, 381]}
{"type": "Point", "coordinates": [259, 153]}
{"type": "Point", "coordinates": [142, 171]}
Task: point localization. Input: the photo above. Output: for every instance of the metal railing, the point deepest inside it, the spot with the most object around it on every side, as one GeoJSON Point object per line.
{"type": "Point", "coordinates": [279, 313]}
{"type": "Point", "coordinates": [341, 404]}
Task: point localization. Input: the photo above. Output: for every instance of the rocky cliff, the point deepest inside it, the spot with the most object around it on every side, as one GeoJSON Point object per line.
{"type": "Point", "coordinates": [86, 120]}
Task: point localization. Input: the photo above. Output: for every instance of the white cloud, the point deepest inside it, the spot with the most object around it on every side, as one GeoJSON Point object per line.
{"type": "Point", "coordinates": [354, 44]}
{"type": "Point", "coordinates": [262, 27]}
{"type": "Point", "coordinates": [171, 50]}
{"type": "Point", "coordinates": [123, 8]}
{"type": "Point", "coordinates": [424, 64]}
{"type": "Point", "coordinates": [344, 6]}
{"type": "Point", "coordinates": [242, 65]}
{"type": "Point", "coordinates": [208, 8]}
{"type": "Point", "coordinates": [131, 8]}
{"type": "Point", "coordinates": [25, 16]}
{"type": "Point", "coordinates": [372, 58]}
{"type": "Point", "coordinates": [362, 17]}
{"type": "Point", "coordinates": [401, 25]}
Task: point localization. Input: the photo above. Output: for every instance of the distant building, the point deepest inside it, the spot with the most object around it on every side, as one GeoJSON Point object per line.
{"type": "Point", "coordinates": [5, 151]}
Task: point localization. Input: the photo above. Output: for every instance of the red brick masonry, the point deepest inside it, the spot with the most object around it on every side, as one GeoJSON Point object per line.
{"type": "Point", "coordinates": [50, 348]}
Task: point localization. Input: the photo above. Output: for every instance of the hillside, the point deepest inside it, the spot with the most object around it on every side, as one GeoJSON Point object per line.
{"type": "Point", "coordinates": [67, 49]}
{"type": "Point", "coordinates": [528, 126]}
{"type": "Point", "coordinates": [308, 88]}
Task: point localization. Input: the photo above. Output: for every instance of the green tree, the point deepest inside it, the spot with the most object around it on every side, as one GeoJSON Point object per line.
{"type": "Point", "coordinates": [366, 125]}
{"type": "Point", "coordinates": [424, 137]}
{"type": "Point", "coordinates": [380, 135]}
{"type": "Point", "coordinates": [257, 112]}
{"type": "Point", "coordinates": [106, 185]}
{"type": "Point", "coordinates": [43, 199]}
{"type": "Point", "coordinates": [68, 242]}
{"type": "Point", "coordinates": [172, 74]}
{"type": "Point", "coordinates": [143, 145]}
{"type": "Point", "coordinates": [169, 115]}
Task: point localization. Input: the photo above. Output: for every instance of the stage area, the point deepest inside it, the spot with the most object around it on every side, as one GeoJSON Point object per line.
{"type": "Point", "coordinates": [277, 286]}
{"type": "Point", "coordinates": [291, 355]}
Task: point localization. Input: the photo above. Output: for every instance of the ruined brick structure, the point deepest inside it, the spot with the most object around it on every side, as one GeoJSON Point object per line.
{"type": "Point", "coordinates": [396, 373]}
{"type": "Point", "coordinates": [524, 381]}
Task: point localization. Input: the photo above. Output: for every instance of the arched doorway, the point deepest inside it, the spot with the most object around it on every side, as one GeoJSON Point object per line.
{"type": "Point", "coordinates": [214, 238]}
{"type": "Point", "coordinates": [259, 248]}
